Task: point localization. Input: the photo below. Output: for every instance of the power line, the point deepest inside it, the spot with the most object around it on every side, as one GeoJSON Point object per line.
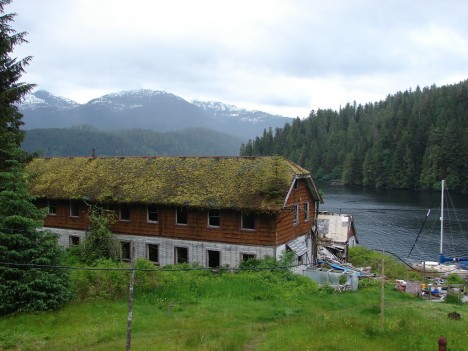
{"type": "Point", "coordinates": [45, 266]}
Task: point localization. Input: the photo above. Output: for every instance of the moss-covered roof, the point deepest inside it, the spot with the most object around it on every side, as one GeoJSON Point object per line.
{"type": "Point", "coordinates": [243, 183]}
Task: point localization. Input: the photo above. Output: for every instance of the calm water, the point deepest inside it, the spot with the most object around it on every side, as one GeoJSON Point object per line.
{"type": "Point", "coordinates": [390, 220]}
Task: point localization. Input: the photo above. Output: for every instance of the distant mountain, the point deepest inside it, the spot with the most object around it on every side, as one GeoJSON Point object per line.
{"type": "Point", "coordinates": [81, 141]}
{"type": "Point", "coordinates": [145, 109]}
{"type": "Point", "coordinates": [233, 116]}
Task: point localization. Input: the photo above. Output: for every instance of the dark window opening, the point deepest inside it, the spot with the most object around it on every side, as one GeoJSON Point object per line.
{"type": "Point", "coordinates": [181, 215]}
{"type": "Point", "coordinates": [74, 209]}
{"type": "Point", "coordinates": [301, 259]}
{"type": "Point", "coordinates": [74, 240]}
{"type": "Point", "coordinates": [181, 255]}
{"type": "Point", "coordinates": [52, 207]}
{"type": "Point", "coordinates": [246, 257]}
{"type": "Point", "coordinates": [248, 221]}
{"type": "Point", "coordinates": [125, 251]}
{"type": "Point", "coordinates": [214, 259]}
{"type": "Point", "coordinates": [124, 213]}
{"type": "Point", "coordinates": [296, 184]}
{"type": "Point", "coordinates": [153, 215]}
{"type": "Point", "coordinates": [153, 253]}
{"type": "Point", "coordinates": [214, 218]}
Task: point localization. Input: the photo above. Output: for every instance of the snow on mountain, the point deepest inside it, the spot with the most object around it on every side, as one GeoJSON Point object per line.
{"type": "Point", "coordinates": [130, 99]}
{"type": "Point", "coordinates": [222, 110]}
{"type": "Point", "coordinates": [44, 99]}
{"type": "Point", "coordinates": [146, 109]}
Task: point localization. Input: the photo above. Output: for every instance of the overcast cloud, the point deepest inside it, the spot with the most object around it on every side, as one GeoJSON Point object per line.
{"type": "Point", "coordinates": [284, 57]}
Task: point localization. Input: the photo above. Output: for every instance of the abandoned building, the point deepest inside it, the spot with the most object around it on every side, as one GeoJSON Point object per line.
{"type": "Point", "coordinates": [336, 233]}
{"type": "Point", "coordinates": [211, 211]}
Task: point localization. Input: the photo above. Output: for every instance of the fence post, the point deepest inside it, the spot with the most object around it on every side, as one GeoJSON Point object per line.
{"type": "Point", "coordinates": [442, 343]}
{"type": "Point", "coordinates": [382, 295]}
{"type": "Point", "coordinates": [130, 301]}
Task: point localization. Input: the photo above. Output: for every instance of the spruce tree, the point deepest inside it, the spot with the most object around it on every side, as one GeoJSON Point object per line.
{"type": "Point", "coordinates": [25, 284]}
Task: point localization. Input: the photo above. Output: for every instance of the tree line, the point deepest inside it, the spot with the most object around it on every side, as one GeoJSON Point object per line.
{"type": "Point", "coordinates": [410, 140]}
{"type": "Point", "coordinates": [81, 140]}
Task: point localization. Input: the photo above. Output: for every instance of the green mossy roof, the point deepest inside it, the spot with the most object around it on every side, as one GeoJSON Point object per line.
{"type": "Point", "coordinates": [243, 183]}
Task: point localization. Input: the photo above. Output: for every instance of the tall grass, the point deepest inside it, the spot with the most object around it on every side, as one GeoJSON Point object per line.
{"type": "Point", "coordinates": [361, 256]}
{"type": "Point", "coordinates": [251, 310]}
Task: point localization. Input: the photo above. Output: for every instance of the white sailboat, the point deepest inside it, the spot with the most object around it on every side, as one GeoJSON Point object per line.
{"type": "Point", "coordinates": [442, 257]}
{"type": "Point", "coordinates": [459, 264]}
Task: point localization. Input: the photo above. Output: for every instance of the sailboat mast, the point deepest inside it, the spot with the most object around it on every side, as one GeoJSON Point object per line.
{"type": "Point", "coordinates": [442, 217]}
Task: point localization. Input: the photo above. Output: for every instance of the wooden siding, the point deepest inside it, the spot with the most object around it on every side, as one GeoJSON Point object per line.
{"type": "Point", "coordinates": [62, 218]}
{"type": "Point", "coordinates": [196, 229]}
{"type": "Point", "coordinates": [286, 228]}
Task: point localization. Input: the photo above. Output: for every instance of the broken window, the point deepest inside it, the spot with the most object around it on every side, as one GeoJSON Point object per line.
{"type": "Point", "coordinates": [74, 240]}
{"type": "Point", "coordinates": [125, 253]}
{"type": "Point", "coordinates": [181, 215]}
{"type": "Point", "coordinates": [214, 218]}
{"type": "Point", "coordinates": [153, 215]}
{"type": "Point", "coordinates": [124, 212]}
{"type": "Point", "coordinates": [248, 221]}
{"type": "Point", "coordinates": [246, 256]}
{"type": "Point", "coordinates": [306, 211]}
{"type": "Point", "coordinates": [74, 209]}
{"type": "Point", "coordinates": [153, 253]}
{"type": "Point", "coordinates": [296, 214]}
{"type": "Point", "coordinates": [181, 255]}
{"type": "Point", "coordinates": [214, 258]}
{"type": "Point", "coordinates": [52, 207]}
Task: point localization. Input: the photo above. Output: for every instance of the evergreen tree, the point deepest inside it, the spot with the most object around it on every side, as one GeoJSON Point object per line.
{"type": "Point", "coordinates": [410, 140]}
{"type": "Point", "coordinates": [22, 287]}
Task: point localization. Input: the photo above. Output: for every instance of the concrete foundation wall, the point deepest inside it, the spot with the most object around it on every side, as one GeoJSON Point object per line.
{"type": "Point", "coordinates": [230, 254]}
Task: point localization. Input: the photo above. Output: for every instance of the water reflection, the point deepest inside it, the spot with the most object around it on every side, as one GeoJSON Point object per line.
{"type": "Point", "coordinates": [390, 220]}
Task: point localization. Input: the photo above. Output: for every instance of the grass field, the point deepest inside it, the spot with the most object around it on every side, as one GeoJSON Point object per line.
{"type": "Point", "coordinates": [247, 311]}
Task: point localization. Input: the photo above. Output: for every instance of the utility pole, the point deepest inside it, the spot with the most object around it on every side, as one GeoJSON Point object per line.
{"type": "Point", "coordinates": [382, 295]}
{"type": "Point", "coordinates": [130, 301]}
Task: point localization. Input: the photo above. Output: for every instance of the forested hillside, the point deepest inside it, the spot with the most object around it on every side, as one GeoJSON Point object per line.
{"type": "Point", "coordinates": [80, 141]}
{"type": "Point", "coordinates": [411, 140]}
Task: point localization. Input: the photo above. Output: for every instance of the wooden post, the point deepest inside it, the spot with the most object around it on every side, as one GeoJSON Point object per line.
{"type": "Point", "coordinates": [424, 275]}
{"type": "Point", "coordinates": [130, 301]}
{"type": "Point", "coordinates": [442, 343]}
{"type": "Point", "coordinates": [382, 296]}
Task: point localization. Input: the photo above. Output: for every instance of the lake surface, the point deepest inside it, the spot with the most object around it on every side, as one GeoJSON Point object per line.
{"type": "Point", "coordinates": [390, 220]}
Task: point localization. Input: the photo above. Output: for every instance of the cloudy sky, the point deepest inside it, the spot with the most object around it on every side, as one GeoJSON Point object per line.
{"type": "Point", "coordinates": [281, 56]}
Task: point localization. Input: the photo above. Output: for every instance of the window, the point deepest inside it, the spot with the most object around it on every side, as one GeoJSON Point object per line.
{"type": "Point", "coordinates": [74, 209]}
{"type": "Point", "coordinates": [181, 215]}
{"type": "Point", "coordinates": [301, 259]}
{"type": "Point", "coordinates": [153, 213]}
{"type": "Point", "coordinates": [124, 213]}
{"type": "Point", "coordinates": [74, 240]}
{"type": "Point", "coordinates": [181, 255]}
{"type": "Point", "coordinates": [248, 221]}
{"type": "Point", "coordinates": [214, 219]}
{"type": "Point", "coordinates": [214, 258]}
{"type": "Point", "coordinates": [52, 207]}
{"type": "Point", "coordinates": [296, 184]}
{"type": "Point", "coordinates": [125, 253]}
{"type": "Point", "coordinates": [246, 256]}
{"type": "Point", "coordinates": [295, 214]}
{"type": "Point", "coordinates": [153, 253]}
{"type": "Point", "coordinates": [306, 212]}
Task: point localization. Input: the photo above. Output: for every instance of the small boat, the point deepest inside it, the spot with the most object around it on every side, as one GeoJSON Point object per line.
{"type": "Point", "coordinates": [442, 258]}
{"type": "Point", "coordinates": [459, 264]}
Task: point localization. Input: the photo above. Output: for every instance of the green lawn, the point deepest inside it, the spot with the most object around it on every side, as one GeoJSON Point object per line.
{"type": "Point", "coordinates": [242, 312]}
